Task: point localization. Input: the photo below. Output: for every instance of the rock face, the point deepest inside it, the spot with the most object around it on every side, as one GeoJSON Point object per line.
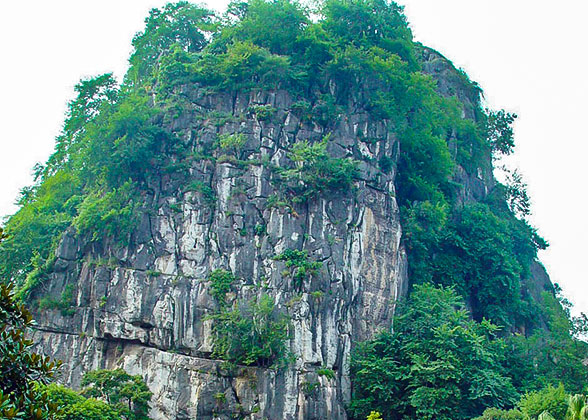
{"type": "Point", "coordinates": [144, 307]}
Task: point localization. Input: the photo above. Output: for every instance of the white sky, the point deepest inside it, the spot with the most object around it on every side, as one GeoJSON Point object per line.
{"type": "Point", "coordinates": [529, 56]}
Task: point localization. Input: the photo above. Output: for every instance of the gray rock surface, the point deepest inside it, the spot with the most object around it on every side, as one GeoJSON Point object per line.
{"type": "Point", "coordinates": [143, 307]}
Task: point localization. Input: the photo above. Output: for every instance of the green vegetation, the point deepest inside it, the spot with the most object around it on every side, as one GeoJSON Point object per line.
{"type": "Point", "coordinates": [437, 364]}
{"type": "Point", "coordinates": [548, 403]}
{"type": "Point", "coordinates": [484, 252]}
{"type": "Point", "coordinates": [105, 394]}
{"type": "Point", "coordinates": [208, 194]}
{"type": "Point", "coordinates": [64, 304]}
{"type": "Point", "coordinates": [232, 142]}
{"type": "Point", "coordinates": [465, 248]}
{"type": "Point", "coordinates": [299, 266]}
{"type": "Point", "coordinates": [254, 333]}
{"type": "Point", "coordinates": [315, 171]}
{"type": "Point", "coordinates": [327, 373]}
{"type": "Point", "coordinates": [20, 368]}
{"type": "Point", "coordinates": [220, 284]}
{"type": "Point", "coordinates": [126, 394]}
{"type": "Point", "coordinates": [251, 334]}
{"type": "Point", "coordinates": [91, 181]}
{"type": "Point", "coordinates": [553, 354]}
{"type": "Point", "coordinates": [263, 112]}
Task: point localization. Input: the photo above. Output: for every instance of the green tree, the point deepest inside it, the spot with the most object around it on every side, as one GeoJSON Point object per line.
{"type": "Point", "coordinates": [500, 132]}
{"type": "Point", "coordinates": [21, 369]}
{"type": "Point", "coordinates": [437, 363]}
{"type": "Point", "coordinates": [182, 23]}
{"type": "Point", "coordinates": [316, 171]}
{"type": "Point", "coordinates": [276, 24]}
{"type": "Point", "coordinates": [90, 409]}
{"type": "Point", "coordinates": [550, 355]}
{"type": "Point", "coordinates": [126, 394]}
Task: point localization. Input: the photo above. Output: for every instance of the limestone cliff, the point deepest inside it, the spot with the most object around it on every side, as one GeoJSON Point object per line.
{"type": "Point", "coordinates": [144, 306]}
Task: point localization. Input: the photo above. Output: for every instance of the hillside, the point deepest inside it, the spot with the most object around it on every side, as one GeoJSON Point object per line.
{"type": "Point", "coordinates": [252, 203]}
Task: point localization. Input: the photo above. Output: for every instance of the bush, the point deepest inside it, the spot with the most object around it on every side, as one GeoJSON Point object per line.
{"type": "Point", "coordinates": [300, 267]}
{"type": "Point", "coordinates": [112, 213]}
{"type": "Point", "coordinates": [232, 142]}
{"type": "Point", "coordinates": [437, 364]}
{"type": "Point", "coordinates": [498, 414]}
{"type": "Point", "coordinates": [553, 400]}
{"type": "Point", "coordinates": [220, 284]}
{"type": "Point", "coordinates": [255, 334]}
{"type": "Point", "coordinates": [65, 304]}
{"type": "Point", "coordinates": [316, 172]}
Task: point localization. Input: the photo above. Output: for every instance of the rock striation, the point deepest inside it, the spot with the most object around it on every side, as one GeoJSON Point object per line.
{"type": "Point", "coordinates": [145, 306]}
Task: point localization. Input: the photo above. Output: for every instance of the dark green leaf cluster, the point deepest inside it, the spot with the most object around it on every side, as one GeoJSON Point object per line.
{"type": "Point", "coordinates": [484, 253]}
{"type": "Point", "coordinates": [500, 132]}
{"type": "Point", "coordinates": [553, 354]}
{"type": "Point", "coordinates": [21, 369]}
{"type": "Point", "coordinates": [126, 394]}
{"type": "Point", "coordinates": [438, 363]}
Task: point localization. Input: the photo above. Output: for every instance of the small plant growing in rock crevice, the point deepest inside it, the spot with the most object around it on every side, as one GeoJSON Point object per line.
{"type": "Point", "coordinates": [263, 112]}
{"type": "Point", "coordinates": [299, 266]}
{"type": "Point", "coordinates": [208, 195]}
{"type": "Point", "coordinates": [220, 398]}
{"type": "Point", "coordinates": [232, 143]}
{"type": "Point", "coordinates": [66, 303]}
{"type": "Point", "coordinates": [254, 334]}
{"type": "Point", "coordinates": [220, 284]}
{"type": "Point", "coordinates": [327, 373]}
{"type": "Point", "coordinates": [316, 171]}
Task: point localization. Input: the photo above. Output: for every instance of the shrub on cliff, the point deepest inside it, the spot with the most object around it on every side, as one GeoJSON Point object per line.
{"type": "Point", "coordinates": [251, 334]}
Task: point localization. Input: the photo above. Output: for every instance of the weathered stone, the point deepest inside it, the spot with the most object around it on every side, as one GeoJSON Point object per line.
{"type": "Point", "coordinates": [144, 307]}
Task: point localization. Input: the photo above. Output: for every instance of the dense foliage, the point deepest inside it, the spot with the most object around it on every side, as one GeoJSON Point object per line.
{"type": "Point", "coordinates": [247, 333]}
{"type": "Point", "coordinates": [255, 333]}
{"type": "Point", "coordinates": [357, 53]}
{"type": "Point", "coordinates": [298, 265]}
{"type": "Point", "coordinates": [438, 363]}
{"type": "Point", "coordinates": [105, 394]}
{"type": "Point", "coordinates": [21, 369]}
{"type": "Point", "coordinates": [126, 394]}
{"type": "Point", "coordinates": [546, 404]}
{"type": "Point", "coordinates": [316, 172]}
{"type": "Point", "coordinates": [553, 354]}
{"type": "Point", "coordinates": [482, 250]}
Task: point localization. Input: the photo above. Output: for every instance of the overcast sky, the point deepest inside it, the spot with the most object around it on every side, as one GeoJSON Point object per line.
{"type": "Point", "coordinates": [529, 56]}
